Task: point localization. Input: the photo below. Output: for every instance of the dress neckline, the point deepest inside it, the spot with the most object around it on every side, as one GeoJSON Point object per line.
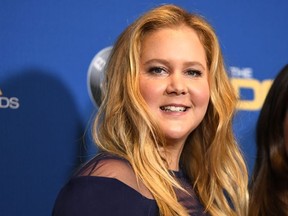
{"type": "Point", "coordinates": [177, 174]}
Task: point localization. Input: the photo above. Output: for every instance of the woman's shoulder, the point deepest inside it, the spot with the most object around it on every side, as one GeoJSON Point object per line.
{"type": "Point", "coordinates": [87, 195]}
{"type": "Point", "coordinates": [104, 164]}
{"type": "Point", "coordinates": [105, 183]}
{"type": "Point", "coordinates": [112, 166]}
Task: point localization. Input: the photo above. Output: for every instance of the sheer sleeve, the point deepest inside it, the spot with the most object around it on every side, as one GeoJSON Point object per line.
{"type": "Point", "coordinates": [106, 186]}
{"type": "Point", "coordinates": [114, 167]}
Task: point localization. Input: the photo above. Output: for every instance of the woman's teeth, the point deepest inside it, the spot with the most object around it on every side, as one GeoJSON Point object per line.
{"type": "Point", "coordinates": [173, 109]}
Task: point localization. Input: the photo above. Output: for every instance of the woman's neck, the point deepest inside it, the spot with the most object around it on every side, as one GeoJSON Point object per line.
{"type": "Point", "coordinates": [172, 155]}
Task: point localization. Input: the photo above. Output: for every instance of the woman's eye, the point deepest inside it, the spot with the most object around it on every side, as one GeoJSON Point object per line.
{"type": "Point", "coordinates": [195, 73]}
{"type": "Point", "coordinates": [157, 70]}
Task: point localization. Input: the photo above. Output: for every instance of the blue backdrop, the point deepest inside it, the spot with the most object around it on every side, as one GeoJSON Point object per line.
{"type": "Point", "coordinates": [46, 48]}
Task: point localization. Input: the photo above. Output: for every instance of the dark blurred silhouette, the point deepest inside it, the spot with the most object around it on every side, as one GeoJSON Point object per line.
{"type": "Point", "coordinates": [269, 183]}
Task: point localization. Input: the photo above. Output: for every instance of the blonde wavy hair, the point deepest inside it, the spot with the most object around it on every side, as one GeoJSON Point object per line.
{"type": "Point", "coordinates": [124, 127]}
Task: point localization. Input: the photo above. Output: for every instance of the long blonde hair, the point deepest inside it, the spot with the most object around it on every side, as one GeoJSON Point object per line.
{"type": "Point", "coordinates": [124, 127]}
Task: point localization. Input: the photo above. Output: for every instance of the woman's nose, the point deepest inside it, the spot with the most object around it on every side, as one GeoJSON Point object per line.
{"type": "Point", "coordinates": [176, 84]}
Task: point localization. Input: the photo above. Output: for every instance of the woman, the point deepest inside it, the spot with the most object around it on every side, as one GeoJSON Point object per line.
{"type": "Point", "coordinates": [164, 127]}
{"type": "Point", "coordinates": [269, 184]}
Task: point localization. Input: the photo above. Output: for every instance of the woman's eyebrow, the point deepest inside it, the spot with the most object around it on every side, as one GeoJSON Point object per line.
{"type": "Point", "coordinates": [166, 62]}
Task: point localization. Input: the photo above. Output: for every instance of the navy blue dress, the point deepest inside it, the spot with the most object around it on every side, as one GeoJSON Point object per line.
{"type": "Point", "coordinates": [88, 195]}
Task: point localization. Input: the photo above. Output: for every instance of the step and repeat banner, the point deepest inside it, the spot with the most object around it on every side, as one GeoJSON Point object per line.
{"type": "Point", "coordinates": [51, 57]}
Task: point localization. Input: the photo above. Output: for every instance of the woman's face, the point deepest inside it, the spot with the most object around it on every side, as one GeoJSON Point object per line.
{"type": "Point", "coordinates": [174, 80]}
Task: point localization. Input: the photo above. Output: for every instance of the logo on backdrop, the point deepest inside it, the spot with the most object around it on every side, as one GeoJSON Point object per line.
{"type": "Point", "coordinates": [96, 75]}
{"type": "Point", "coordinates": [8, 102]}
{"type": "Point", "coordinates": [252, 92]}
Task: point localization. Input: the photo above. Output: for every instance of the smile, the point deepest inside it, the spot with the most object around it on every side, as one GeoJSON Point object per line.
{"type": "Point", "coordinates": [173, 108]}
